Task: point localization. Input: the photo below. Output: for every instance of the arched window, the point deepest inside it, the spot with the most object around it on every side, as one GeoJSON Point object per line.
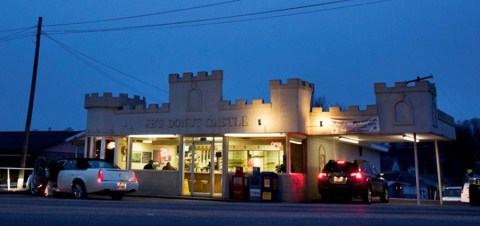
{"type": "Point", "coordinates": [403, 113]}
{"type": "Point", "coordinates": [195, 100]}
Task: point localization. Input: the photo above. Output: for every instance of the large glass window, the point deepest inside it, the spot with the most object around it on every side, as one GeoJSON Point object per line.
{"type": "Point", "coordinates": [266, 153]}
{"type": "Point", "coordinates": [162, 151]}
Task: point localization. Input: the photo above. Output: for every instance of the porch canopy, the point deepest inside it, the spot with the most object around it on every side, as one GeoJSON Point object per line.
{"type": "Point", "coordinates": [402, 113]}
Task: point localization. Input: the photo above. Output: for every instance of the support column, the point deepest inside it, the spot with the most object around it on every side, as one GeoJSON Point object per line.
{"type": "Point", "coordinates": [91, 151]}
{"type": "Point", "coordinates": [289, 154]}
{"type": "Point", "coordinates": [87, 147]}
{"type": "Point", "coordinates": [102, 148]}
{"type": "Point", "coordinates": [225, 175]}
{"type": "Point", "coordinates": [440, 195]}
{"type": "Point", "coordinates": [116, 150]}
{"type": "Point", "coordinates": [181, 164]}
{"type": "Point", "coordinates": [129, 153]}
{"type": "Point", "coordinates": [417, 180]}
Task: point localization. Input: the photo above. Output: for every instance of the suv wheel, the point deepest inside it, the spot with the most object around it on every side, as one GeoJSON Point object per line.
{"type": "Point", "coordinates": [367, 196]}
{"type": "Point", "coordinates": [385, 196]}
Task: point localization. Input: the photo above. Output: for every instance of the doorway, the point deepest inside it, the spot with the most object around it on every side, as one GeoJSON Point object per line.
{"type": "Point", "coordinates": [203, 166]}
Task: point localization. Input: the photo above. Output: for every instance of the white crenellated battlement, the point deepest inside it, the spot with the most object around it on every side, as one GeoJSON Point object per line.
{"type": "Point", "coordinates": [109, 101]}
{"type": "Point", "coordinates": [201, 76]}
{"type": "Point", "coordinates": [243, 105]}
{"type": "Point", "coordinates": [152, 108]}
{"type": "Point", "coordinates": [351, 111]}
{"type": "Point", "coordinates": [403, 87]}
{"type": "Point", "coordinates": [293, 83]}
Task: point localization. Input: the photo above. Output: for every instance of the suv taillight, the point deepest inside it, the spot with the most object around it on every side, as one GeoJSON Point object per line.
{"type": "Point", "coordinates": [100, 176]}
{"type": "Point", "coordinates": [357, 175]}
{"type": "Point", "coordinates": [322, 175]}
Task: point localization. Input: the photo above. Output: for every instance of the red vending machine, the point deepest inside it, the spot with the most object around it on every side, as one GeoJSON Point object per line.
{"type": "Point", "coordinates": [239, 184]}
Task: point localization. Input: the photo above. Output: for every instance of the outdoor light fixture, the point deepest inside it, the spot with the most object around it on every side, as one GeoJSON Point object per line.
{"type": "Point", "coordinates": [111, 145]}
{"type": "Point", "coordinates": [259, 122]}
{"type": "Point", "coordinates": [348, 140]}
{"type": "Point", "coordinates": [296, 142]}
{"type": "Point", "coordinates": [409, 138]}
{"type": "Point", "coordinates": [254, 135]}
{"type": "Point", "coordinates": [154, 136]}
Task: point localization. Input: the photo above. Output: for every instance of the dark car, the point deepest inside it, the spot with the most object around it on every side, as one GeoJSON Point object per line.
{"type": "Point", "coordinates": [352, 179]}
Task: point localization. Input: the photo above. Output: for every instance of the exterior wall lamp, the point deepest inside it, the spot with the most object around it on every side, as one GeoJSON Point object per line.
{"type": "Point", "coordinates": [348, 140]}
{"type": "Point", "coordinates": [409, 138]}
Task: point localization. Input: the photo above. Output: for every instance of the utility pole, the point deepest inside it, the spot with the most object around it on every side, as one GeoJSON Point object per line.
{"type": "Point", "coordinates": [23, 161]}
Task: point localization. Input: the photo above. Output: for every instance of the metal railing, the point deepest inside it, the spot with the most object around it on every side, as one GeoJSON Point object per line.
{"type": "Point", "coordinates": [13, 172]}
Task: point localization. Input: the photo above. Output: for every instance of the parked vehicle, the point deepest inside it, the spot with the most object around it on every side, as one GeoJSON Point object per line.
{"type": "Point", "coordinates": [81, 177]}
{"type": "Point", "coordinates": [473, 177]}
{"type": "Point", "coordinates": [352, 179]}
{"type": "Point", "coordinates": [465, 192]}
{"type": "Point", "coordinates": [37, 181]}
{"type": "Point", "coordinates": [452, 194]}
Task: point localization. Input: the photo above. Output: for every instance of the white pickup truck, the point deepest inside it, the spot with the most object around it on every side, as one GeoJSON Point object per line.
{"type": "Point", "coordinates": [81, 177]}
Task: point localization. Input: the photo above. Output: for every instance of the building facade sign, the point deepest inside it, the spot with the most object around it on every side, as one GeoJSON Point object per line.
{"type": "Point", "coordinates": [344, 126]}
{"type": "Point", "coordinates": [154, 123]}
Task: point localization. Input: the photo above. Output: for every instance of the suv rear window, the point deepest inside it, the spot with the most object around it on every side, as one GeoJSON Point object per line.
{"type": "Point", "coordinates": [343, 167]}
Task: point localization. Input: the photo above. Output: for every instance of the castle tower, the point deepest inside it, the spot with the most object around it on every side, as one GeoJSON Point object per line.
{"type": "Point", "coordinates": [196, 93]}
{"type": "Point", "coordinates": [290, 104]}
{"type": "Point", "coordinates": [407, 108]}
{"type": "Point", "coordinates": [101, 111]}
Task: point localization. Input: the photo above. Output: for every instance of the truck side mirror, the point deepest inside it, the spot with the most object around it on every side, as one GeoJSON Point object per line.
{"type": "Point", "coordinates": [469, 171]}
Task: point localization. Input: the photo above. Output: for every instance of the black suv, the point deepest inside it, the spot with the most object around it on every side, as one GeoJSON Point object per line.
{"type": "Point", "coordinates": [352, 179]}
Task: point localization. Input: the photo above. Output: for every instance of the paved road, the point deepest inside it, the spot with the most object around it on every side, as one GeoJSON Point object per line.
{"type": "Point", "coordinates": [20, 209]}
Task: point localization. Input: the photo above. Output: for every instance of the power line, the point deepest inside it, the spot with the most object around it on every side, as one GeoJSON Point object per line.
{"type": "Point", "coordinates": [80, 56]}
{"type": "Point", "coordinates": [145, 15]}
{"type": "Point", "coordinates": [24, 32]}
{"type": "Point", "coordinates": [151, 26]}
{"type": "Point", "coordinates": [6, 39]}
{"type": "Point", "coordinates": [271, 17]}
{"type": "Point", "coordinates": [17, 29]}
{"type": "Point", "coordinates": [110, 67]}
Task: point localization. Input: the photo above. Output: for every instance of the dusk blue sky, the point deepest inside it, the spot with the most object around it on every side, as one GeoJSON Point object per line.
{"type": "Point", "coordinates": [341, 48]}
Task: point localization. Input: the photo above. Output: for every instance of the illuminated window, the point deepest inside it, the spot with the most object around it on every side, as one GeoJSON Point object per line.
{"type": "Point", "coordinates": [266, 153]}
{"type": "Point", "coordinates": [160, 150]}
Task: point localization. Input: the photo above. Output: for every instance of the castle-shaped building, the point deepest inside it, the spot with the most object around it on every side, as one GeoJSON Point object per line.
{"type": "Point", "coordinates": [208, 139]}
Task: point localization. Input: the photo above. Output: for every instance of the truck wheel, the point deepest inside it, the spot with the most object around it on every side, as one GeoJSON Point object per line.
{"type": "Point", "coordinates": [385, 196]}
{"type": "Point", "coordinates": [367, 196]}
{"type": "Point", "coordinates": [79, 190]}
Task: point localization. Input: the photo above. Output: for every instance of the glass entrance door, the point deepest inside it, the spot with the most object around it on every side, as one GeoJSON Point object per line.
{"type": "Point", "coordinates": [203, 171]}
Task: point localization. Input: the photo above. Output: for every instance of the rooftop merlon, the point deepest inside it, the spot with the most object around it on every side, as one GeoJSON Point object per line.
{"type": "Point", "coordinates": [403, 87]}
{"type": "Point", "coordinates": [293, 83]}
{"type": "Point", "coordinates": [201, 76]}
{"type": "Point", "coordinates": [351, 111]}
{"type": "Point", "coordinates": [108, 100]}
{"type": "Point", "coordinates": [243, 104]}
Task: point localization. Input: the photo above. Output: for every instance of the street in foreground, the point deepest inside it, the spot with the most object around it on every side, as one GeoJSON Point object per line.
{"type": "Point", "coordinates": [20, 209]}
